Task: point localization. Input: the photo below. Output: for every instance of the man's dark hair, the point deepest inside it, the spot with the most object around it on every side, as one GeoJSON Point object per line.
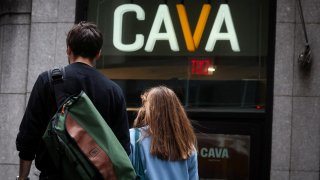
{"type": "Point", "coordinates": [85, 40]}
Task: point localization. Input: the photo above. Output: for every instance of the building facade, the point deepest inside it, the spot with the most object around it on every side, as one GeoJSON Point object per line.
{"type": "Point", "coordinates": [32, 40]}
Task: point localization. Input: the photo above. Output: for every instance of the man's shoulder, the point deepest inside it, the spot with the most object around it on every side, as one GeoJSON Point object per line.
{"type": "Point", "coordinates": [44, 77]}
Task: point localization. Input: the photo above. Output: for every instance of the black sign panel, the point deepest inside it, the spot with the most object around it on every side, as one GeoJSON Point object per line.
{"type": "Point", "coordinates": [223, 156]}
{"type": "Point", "coordinates": [191, 28]}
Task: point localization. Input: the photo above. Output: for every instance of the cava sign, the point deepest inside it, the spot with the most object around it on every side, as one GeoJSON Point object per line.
{"type": "Point", "coordinates": [163, 19]}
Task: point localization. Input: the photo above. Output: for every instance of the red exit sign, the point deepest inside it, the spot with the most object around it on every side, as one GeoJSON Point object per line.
{"type": "Point", "coordinates": [201, 67]}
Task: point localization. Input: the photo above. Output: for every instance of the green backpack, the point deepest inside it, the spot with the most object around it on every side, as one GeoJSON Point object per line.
{"type": "Point", "coordinates": [81, 143]}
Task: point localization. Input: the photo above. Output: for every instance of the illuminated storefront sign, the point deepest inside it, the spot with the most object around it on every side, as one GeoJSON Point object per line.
{"type": "Point", "coordinates": [163, 18]}
{"type": "Point", "coordinates": [192, 28]}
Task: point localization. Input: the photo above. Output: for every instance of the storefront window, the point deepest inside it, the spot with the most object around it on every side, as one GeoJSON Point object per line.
{"type": "Point", "coordinates": [212, 53]}
{"type": "Point", "coordinates": [223, 156]}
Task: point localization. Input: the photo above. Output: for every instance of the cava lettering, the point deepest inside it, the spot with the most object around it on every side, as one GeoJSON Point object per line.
{"type": "Point", "coordinates": [163, 19]}
{"type": "Point", "coordinates": [214, 152]}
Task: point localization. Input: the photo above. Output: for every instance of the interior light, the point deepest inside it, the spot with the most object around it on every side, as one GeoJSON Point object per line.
{"type": "Point", "coordinates": [211, 69]}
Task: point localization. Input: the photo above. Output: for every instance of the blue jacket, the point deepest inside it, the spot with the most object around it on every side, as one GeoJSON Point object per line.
{"type": "Point", "coordinates": [157, 169]}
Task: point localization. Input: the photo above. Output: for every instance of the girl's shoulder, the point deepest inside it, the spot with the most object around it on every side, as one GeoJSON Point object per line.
{"type": "Point", "coordinates": [142, 130]}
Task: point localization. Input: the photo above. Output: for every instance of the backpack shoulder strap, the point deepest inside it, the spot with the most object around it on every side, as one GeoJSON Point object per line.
{"type": "Point", "coordinates": [56, 77]}
{"type": "Point", "coordinates": [138, 165]}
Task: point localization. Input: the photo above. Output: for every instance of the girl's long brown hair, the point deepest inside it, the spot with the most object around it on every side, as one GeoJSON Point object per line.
{"type": "Point", "coordinates": [172, 135]}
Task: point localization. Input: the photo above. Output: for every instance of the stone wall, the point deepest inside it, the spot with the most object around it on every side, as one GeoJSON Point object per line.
{"type": "Point", "coordinates": [14, 49]}
{"type": "Point", "coordinates": [32, 40]}
{"type": "Point", "coordinates": [296, 114]}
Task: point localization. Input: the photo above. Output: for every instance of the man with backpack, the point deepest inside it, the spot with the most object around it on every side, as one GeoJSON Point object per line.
{"type": "Point", "coordinates": [84, 42]}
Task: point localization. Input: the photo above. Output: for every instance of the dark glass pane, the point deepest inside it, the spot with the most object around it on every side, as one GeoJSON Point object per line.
{"type": "Point", "coordinates": [224, 77]}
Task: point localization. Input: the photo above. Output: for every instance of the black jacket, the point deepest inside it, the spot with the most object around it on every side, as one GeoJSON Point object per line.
{"type": "Point", "coordinates": [104, 93]}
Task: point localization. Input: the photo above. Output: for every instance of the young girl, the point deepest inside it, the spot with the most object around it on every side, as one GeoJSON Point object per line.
{"type": "Point", "coordinates": [167, 140]}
